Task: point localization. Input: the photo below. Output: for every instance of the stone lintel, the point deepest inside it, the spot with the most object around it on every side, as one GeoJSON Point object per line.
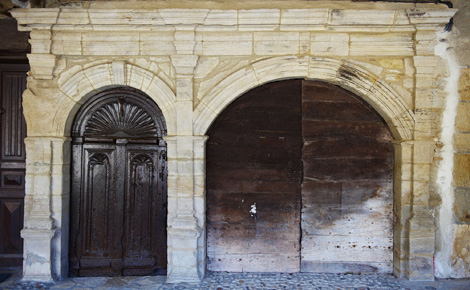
{"type": "Point", "coordinates": [250, 19]}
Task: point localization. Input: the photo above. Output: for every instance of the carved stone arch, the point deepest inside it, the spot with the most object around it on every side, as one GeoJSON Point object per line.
{"type": "Point", "coordinates": [120, 113]}
{"type": "Point", "coordinates": [79, 84]}
{"type": "Point", "coordinates": [386, 101]}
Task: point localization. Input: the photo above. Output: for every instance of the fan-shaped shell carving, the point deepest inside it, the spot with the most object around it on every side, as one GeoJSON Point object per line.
{"type": "Point", "coordinates": [121, 119]}
{"type": "Point", "coordinates": [98, 158]}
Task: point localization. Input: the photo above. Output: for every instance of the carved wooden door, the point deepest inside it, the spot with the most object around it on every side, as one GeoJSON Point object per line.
{"type": "Point", "coordinates": [118, 203]}
{"type": "Point", "coordinates": [12, 163]}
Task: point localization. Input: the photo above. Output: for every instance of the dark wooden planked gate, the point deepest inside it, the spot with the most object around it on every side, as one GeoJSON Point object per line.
{"type": "Point", "coordinates": [299, 178]}
{"type": "Point", "coordinates": [254, 174]}
{"type": "Point", "coordinates": [12, 163]}
{"type": "Point", "coordinates": [347, 193]}
{"type": "Point", "coordinates": [118, 204]}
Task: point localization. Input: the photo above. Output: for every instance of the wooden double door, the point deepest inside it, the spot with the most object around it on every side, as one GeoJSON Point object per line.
{"type": "Point", "coordinates": [299, 178]}
{"type": "Point", "coordinates": [118, 202]}
{"type": "Point", "coordinates": [12, 163]}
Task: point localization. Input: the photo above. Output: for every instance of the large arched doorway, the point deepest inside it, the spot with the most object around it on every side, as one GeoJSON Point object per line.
{"type": "Point", "coordinates": [119, 186]}
{"type": "Point", "coordinates": [299, 178]}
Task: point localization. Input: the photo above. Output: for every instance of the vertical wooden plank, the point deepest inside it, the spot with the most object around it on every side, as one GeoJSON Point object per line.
{"type": "Point", "coordinates": [253, 182]}
{"type": "Point", "coordinates": [347, 186]}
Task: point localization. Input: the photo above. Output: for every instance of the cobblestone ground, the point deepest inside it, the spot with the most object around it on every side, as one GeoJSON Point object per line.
{"type": "Point", "coordinates": [247, 281]}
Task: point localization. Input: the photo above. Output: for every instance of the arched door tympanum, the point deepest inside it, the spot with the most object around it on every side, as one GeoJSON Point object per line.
{"type": "Point", "coordinates": [299, 178]}
{"type": "Point", "coordinates": [119, 199]}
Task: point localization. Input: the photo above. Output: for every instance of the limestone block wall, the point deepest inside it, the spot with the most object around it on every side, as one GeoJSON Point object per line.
{"type": "Point", "coordinates": [193, 62]}
{"type": "Point", "coordinates": [460, 258]}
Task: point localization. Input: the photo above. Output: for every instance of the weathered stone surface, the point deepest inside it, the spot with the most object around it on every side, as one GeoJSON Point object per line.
{"type": "Point", "coordinates": [464, 84]}
{"type": "Point", "coordinates": [461, 170]}
{"type": "Point", "coordinates": [461, 252]}
{"type": "Point", "coordinates": [462, 142]}
{"type": "Point", "coordinates": [462, 121]}
{"type": "Point", "coordinates": [462, 205]}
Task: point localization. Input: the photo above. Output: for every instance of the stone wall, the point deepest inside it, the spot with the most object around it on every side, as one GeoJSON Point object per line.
{"type": "Point", "coordinates": [452, 205]}
{"type": "Point", "coordinates": [193, 62]}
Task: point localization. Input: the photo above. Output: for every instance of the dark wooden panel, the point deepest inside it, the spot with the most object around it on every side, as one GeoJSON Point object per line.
{"type": "Point", "coordinates": [12, 163]}
{"type": "Point", "coordinates": [145, 212]}
{"type": "Point", "coordinates": [11, 244]}
{"type": "Point", "coordinates": [347, 188]}
{"type": "Point", "coordinates": [253, 182]}
{"type": "Point", "coordinates": [13, 124]}
{"type": "Point", "coordinates": [94, 209]}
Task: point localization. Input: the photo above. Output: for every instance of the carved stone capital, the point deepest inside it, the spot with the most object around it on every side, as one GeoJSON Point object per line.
{"type": "Point", "coordinates": [184, 64]}
{"type": "Point", "coordinates": [42, 65]}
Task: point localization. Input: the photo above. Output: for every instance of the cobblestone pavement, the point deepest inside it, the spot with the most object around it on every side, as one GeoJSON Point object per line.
{"type": "Point", "coordinates": [246, 281]}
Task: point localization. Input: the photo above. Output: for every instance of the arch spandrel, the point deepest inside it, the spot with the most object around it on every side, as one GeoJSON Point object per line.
{"type": "Point", "coordinates": [386, 101]}
{"type": "Point", "coordinates": [82, 83]}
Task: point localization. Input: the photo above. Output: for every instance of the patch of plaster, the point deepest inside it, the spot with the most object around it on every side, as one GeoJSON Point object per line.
{"type": "Point", "coordinates": [253, 210]}
{"type": "Point", "coordinates": [32, 258]}
{"type": "Point", "coordinates": [445, 170]}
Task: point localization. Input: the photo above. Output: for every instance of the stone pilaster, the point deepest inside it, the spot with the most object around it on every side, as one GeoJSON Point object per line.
{"type": "Point", "coordinates": [39, 227]}
{"type": "Point", "coordinates": [183, 228]}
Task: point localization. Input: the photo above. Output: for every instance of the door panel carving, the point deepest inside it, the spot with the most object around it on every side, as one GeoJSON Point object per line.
{"type": "Point", "coordinates": [118, 207]}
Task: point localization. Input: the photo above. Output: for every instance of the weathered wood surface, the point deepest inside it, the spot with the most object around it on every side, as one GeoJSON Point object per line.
{"type": "Point", "coordinates": [12, 163]}
{"type": "Point", "coordinates": [310, 157]}
{"type": "Point", "coordinates": [347, 190]}
{"type": "Point", "coordinates": [253, 183]}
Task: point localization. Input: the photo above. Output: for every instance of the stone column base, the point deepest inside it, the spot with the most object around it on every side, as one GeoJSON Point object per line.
{"type": "Point", "coordinates": [37, 264]}
{"type": "Point", "coordinates": [183, 255]}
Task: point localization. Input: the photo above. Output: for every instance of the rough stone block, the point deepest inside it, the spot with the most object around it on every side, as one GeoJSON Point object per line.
{"type": "Point", "coordinates": [110, 43]}
{"type": "Point", "coordinates": [73, 17]}
{"type": "Point", "coordinates": [303, 18]}
{"type": "Point", "coordinates": [259, 19]}
{"type": "Point", "coordinates": [221, 17]}
{"type": "Point", "coordinates": [462, 205]}
{"type": "Point", "coordinates": [330, 44]}
{"type": "Point", "coordinates": [358, 17]}
{"type": "Point", "coordinates": [227, 43]}
{"type": "Point", "coordinates": [382, 44]}
{"type": "Point", "coordinates": [183, 16]}
{"type": "Point", "coordinates": [462, 121]}
{"type": "Point", "coordinates": [460, 258]}
{"type": "Point", "coordinates": [157, 43]}
{"type": "Point", "coordinates": [464, 84]}
{"type": "Point", "coordinates": [462, 142]}
{"type": "Point", "coordinates": [461, 170]}
{"type": "Point", "coordinates": [276, 43]}
{"type": "Point", "coordinates": [421, 268]}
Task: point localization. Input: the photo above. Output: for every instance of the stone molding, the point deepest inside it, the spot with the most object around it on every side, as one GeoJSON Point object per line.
{"type": "Point", "coordinates": [211, 57]}
{"type": "Point", "coordinates": [80, 83]}
{"type": "Point", "coordinates": [377, 93]}
{"type": "Point", "coordinates": [321, 19]}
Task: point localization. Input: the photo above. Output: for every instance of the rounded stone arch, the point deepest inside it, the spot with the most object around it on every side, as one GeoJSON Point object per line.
{"type": "Point", "coordinates": [79, 84]}
{"type": "Point", "coordinates": [352, 77]}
